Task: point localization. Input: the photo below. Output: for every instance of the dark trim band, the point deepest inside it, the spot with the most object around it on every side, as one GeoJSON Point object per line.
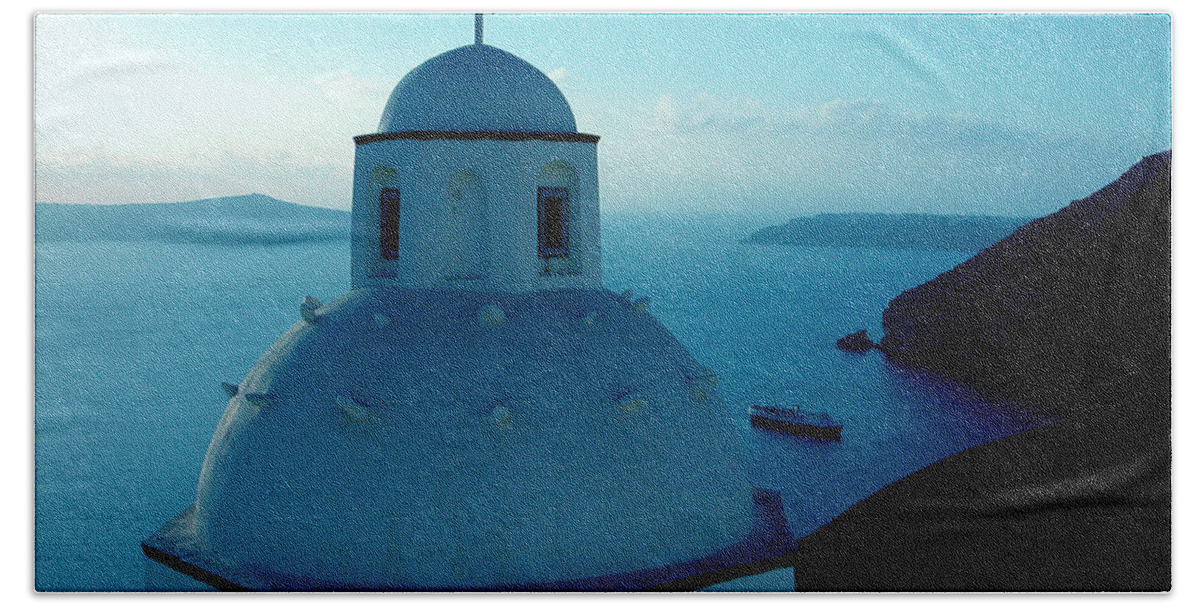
{"type": "Point", "coordinates": [371, 138]}
{"type": "Point", "coordinates": [196, 572]}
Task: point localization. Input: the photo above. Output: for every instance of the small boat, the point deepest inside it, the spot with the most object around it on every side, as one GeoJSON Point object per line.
{"type": "Point", "coordinates": [793, 420]}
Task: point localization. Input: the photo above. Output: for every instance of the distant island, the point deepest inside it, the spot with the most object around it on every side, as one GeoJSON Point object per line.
{"type": "Point", "coordinates": [233, 220]}
{"type": "Point", "coordinates": [891, 230]}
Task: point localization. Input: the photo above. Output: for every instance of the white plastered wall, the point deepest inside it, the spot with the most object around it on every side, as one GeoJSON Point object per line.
{"type": "Point", "coordinates": [509, 173]}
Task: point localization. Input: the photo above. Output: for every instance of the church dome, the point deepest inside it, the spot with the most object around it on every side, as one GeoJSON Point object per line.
{"type": "Point", "coordinates": [477, 88]}
{"type": "Point", "coordinates": [458, 440]}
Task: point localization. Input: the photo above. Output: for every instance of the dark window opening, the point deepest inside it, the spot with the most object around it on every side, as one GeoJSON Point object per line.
{"type": "Point", "coordinates": [553, 234]}
{"type": "Point", "coordinates": [389, 224]}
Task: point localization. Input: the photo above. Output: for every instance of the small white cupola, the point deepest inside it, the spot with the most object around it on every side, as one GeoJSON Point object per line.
{"type": "Point", "coordinates": [477, 179]}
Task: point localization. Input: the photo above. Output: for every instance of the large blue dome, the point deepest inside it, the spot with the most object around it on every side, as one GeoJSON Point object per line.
{"type": "Point", "coordinates": [477, 88]}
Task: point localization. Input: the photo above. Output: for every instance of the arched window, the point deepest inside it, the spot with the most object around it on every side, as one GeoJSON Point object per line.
{"type": "Point", "coordinates": [558, 184]}
{"type": "Point", "coordinates": [389, 224]}
{"type": "Point", "coordinates": [554, 236]}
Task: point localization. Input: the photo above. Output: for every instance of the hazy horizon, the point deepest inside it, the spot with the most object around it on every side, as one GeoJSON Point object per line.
{"type": "Point", "coordinates": [780, 115]}
{"type": "Point", "coordinates": [763, 214]}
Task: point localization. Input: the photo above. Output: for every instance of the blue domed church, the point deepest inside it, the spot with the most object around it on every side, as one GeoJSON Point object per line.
{"type": "Point", "coordinates": [477, 412]}
{"type": "Point", "coordinates": [477, 180]}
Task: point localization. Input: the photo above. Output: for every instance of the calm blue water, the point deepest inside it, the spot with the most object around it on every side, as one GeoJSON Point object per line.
{"type": "Point", "coordinates": [767, 317]}
{"type": "Point", "coordinates": [132, 340]}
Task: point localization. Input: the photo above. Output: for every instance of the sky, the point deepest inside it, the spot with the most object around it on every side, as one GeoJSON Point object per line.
{"type": "Point", "coordinates": [778, 114]}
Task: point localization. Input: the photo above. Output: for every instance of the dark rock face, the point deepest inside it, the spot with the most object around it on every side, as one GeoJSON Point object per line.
{"type": "Point", "coordinates": [1071, 309]}
{"type": "Point", "coordinates": [857, 342]}
{"type": "Point", "coordinates": [1071, 313]}
{"type": "Point", "coordinates": [1043, 511]}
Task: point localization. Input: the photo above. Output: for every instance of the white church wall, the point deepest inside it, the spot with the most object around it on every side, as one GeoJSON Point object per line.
{"type": "Point", "coordinates": [606, 459]}
{"type": "Point", "coordinates": [506, 175]}
{"type": "Point", "coordinates": [465, 226]}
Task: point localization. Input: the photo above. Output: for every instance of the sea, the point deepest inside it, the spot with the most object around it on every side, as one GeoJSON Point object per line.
{"type": "Point", "coordinates": [133, 338]}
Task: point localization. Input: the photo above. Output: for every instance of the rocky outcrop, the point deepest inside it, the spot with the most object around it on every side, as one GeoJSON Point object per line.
{"type": "Point", "coordinates": [1070, 310]}
{"type": "Point", "coordinates": [1043, 510]}
{"type": "Point", "coordinates": [857, 342]}
{"type": "Point", "coordinates": [1071, 313]}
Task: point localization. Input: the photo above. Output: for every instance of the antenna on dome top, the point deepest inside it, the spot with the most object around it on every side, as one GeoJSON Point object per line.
{"type": "Point", "coordinates": [478, 28]}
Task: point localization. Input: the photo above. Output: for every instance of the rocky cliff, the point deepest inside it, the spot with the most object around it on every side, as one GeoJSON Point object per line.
{"type": "Point", "coordinates": [1071, 309]}
{"type": "Point", "coordinates": [1071, 313]}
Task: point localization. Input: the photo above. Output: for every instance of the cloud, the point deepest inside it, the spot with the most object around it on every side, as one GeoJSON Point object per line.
{"type": "Point", "coordinates": [100, 174]}
{"type": "Point", "coordinates": [704, 112]}
{"type": "Point", "coordinates": [558, 75]}
{"type": "Point", "coordinates": [122, 63]}
{"type": "Point", "coordinates": [861, 121]}
{"type": "Point", "coordinates": [347, 87]}
{"type": "Point", "coordinates": [924, 66]}
{"type": "Point", "coordinates": [664, 118]}
{"type": "Point", "coordinates": [862, 154]}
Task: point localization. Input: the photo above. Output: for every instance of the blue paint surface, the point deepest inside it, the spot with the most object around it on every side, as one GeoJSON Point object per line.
{"type": "Point", "coordinates": [477, 88]}
{"type": "Point", "coordinates": [132, 339]}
